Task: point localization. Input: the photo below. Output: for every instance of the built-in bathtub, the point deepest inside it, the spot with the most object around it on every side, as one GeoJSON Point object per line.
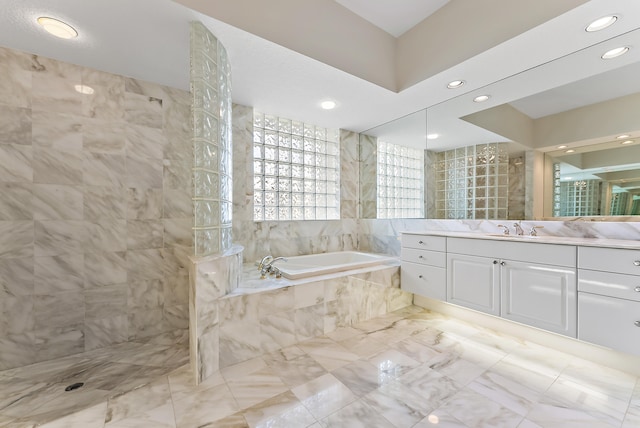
{"type": "Point", "coordinates": [321, 264]}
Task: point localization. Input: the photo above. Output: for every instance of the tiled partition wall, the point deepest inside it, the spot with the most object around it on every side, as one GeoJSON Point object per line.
{"type": "Point", "coordinates": [95, 193]}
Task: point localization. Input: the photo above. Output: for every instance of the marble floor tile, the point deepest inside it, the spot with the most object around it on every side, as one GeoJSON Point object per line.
{"type": "Point", "coordinates": [398, 404]}
{"type": "Point", "coordinates": [433, 386]}
{"type": "Point", "coordinates": [297, 371]}
{"type": "Point", "coordinates": [138, 402]}
{"type": "Point", "coordinates": [550, 414]}
{"type": "Point", "coordinates": [256, 387]}
{"type": "Point", "coordinates": [324, 395]}
{"type": "Point", "coordinates": [477, 410]}
{"type": "Point", "coordinates": [363, 345]}
{"type": "Point", "coordinates": [328, 353]}
{"type": "Point", "coordinates": [361, 377]}
{"type": "Point", "coordinates": [92, 417]}
{"type": "Point", "coordinates": [440, 419]}
{"type": "Point", "coordinates": [283, 410]}
{"type": "Point", "coordinates": [393, 364]}
{"type": "Point", "coordinates": [356, 415]}
{"type": "Point", "coordinates": [205, 407]}
{"type": "Point", "coordinates": [507, 392]}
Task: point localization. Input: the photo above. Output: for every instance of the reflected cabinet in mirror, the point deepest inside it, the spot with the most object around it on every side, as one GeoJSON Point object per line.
{"type": "Point", "coordinates": [559, 140]}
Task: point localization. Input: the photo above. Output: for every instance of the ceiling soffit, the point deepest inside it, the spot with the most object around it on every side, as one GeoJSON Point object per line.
{"type": "Point", "coordinates": [330, 33]}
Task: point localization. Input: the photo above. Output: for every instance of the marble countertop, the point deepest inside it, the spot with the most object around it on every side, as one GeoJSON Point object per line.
{"type": "Point", "coordinates": [540, 239]}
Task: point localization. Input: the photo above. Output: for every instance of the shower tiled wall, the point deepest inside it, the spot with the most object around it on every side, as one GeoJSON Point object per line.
{"type": "Point", "coordinates": [95, 193]}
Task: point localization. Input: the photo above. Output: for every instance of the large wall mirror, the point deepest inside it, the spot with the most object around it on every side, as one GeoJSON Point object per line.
{"type": "Point", "coordinates": [559, 140]}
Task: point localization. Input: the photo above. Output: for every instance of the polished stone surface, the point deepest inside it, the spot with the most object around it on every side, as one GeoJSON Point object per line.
{"type": "Point", "coordinates": [409, 368]}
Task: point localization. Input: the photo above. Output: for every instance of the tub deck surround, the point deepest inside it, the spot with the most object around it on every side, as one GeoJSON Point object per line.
{"type": "Point", "coordinates": [229, 325]}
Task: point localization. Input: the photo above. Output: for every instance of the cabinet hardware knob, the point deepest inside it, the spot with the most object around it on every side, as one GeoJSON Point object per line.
{"type": "Point", "coordinates": [495, 262]}
{"type": "Point", "coordinates": [421, 257]}
{"type": "Point", "coordinates": [420, 276]}
{"type": "Point", "coordinates": [637, 323]}
{"type": "Point", "coordinates": [420, 242]}
{"type": "Point", "coordinates": [502, 263]}
{"type": "Point", "coordinates": [636, 263]}
{"type": "Point", "coordinates": [637, 289]}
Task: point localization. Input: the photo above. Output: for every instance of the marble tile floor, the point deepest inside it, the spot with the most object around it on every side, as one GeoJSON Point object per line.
{"type": "Point", "coordinates": [409, 368]}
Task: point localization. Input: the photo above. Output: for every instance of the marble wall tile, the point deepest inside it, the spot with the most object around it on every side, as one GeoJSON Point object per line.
{"type": "Point", "coordinates": [106, 302]}
{"type": "Point", "coordinates": [59, 273]}
{"type": "Point", "coordinates": [104, 202]}
{"type": "Point", "coordinates": [106, 235]}
{"type": "Point", "coordinates": [309, 322]}
{"type": "Point", "coordinates": [177, 204]}
{"type": "Point", "coordinates": [106, 101]}
{"type": "Point", "coordinates": [17, 315]}
{"type": "Point", "coordinates": [143, 324]}
{"type": "Point", "coordinates": [145, 294]}
{"type": "Point", "coordinates": [59, 131]}
{"type": "Point", "coordinates": [44, 67]}
{"type": "Point", "coordinates": [55, 94]}
{"type": "Point", "coordinates": [144, 264]}
{"type": "Point", "coordinates": [103, 332]}
{"type": "Point", "coordinates": [52, 166]}
{"type": "Point", "coordinates": [143, 173]}
{"type": "Point", "coordinates": [16, 202]}
{"type": "Point", "coordinates": [278, 331]}
{"type": "Point", "coordinates": [104, 268]}
{"type": "Point", "coordinates": [57, 341]}
{"type": "Point", "coordinates": [58, 202]}
{"type": "Point", "coordinates": [207, 354]}
{"type": "Point", "coordinates": [103, 169]}
{"type": "Point", "coordinates": [143, 142]}
{"type": "Point", "coordinates": [143, 110]}
{"type": "Point", "coordinates": [15, 125]}
{"type": "Point", "coordinates": [17, 163]}
{"type": "Point", "coordinates": [144, 203]}
{"type": "Point", "coordinates": [176, 290]}
{"type": "Point", "coordinates": [103, 136]}
{"type": "Point", "coordinates": [240, 340]}
{"type": "Point", "coordinates": [144, 234]}
{"type": "Point", "coordinates": [60, 309]}
{"type": "Point", "coordinates": [16, 239]}
{"type": "Point", "coordinates": [177, 175]}
{"type": "Point", "coordinates": [178, 231]}
{"type": "Point", "coordinates": [15, 85]}
{"type": "Point", "coordinates": [17, 277]}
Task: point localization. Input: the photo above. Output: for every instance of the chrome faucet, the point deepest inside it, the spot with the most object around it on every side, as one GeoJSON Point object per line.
{"type": "Point", "coordinates": [534, 230]}
{"type": "Point", "coordinates": [505, 231]}
{"type": "Point", "coordinates": [518, 229]}
{"type": "Point", "coordinates": [266, 266]}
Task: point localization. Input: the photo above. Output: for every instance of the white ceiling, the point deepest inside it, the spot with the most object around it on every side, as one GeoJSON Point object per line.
{"type": "Point", "coordinates": [149, 39]}
{"type": "Point", "coordinates": [395, 17]}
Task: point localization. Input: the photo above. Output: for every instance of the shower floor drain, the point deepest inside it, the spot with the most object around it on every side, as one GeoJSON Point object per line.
{"type": "Point", "coordinates": [74, 386]}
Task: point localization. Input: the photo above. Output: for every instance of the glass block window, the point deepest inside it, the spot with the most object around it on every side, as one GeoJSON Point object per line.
{"type": "Point", "coordinates": [619, 202]}
{"type": "Point", "coordinates": [579, 198]}
{"type": "Point", "coordinates": [296, 170]}
{"type": "Point", "coordinates": [473, 182]}
{"type": "Point", "coordinates": [400, 181]}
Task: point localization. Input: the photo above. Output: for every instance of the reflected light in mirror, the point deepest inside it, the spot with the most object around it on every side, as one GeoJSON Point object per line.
{"type": "Point", "coordinates": [57, 28]}
{"type": "Point", "coordinates": [627, 142]}
{"type": "Point", "coordinates": [622, 137]}
{"type": "Point", "coordinates": [570, 151]}
{"type": "Point", "coordinates": [432, 136]}
{"type": "Point", "coordinates": [562, 147]}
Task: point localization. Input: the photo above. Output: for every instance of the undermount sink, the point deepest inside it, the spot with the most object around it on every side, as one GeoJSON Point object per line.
{"type": "Point", "coordinates": [502, 235]}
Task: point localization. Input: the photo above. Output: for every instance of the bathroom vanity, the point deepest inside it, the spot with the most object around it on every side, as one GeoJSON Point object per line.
{"type": "Point", "coordinates": [582, 288]}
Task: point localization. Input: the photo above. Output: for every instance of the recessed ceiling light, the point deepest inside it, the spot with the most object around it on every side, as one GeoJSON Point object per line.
{"type": "Point", "coordinates": [481, 98]}
{"type": "Point", "coordinates": [455, 84]}
{"type": "Point", "coordinates": [328, 105]}
{"type": "Point", "coordinates": [627, 142]}
{"type": "Point", "coordinates": [570, 151]}
{"type": "Point", "coordinates": [84, 89]}
{"type": "Point", "coordinates": [601, 23]}
{"type": "Point", "coordinates": [568, 178]}
{"type": "Point", "coordinates": [57, 28]}
{"type": "Point", "coordinates": [622, 137]}
{"type": "Point", "coordinates": [614, 53]}
{"type": "Point", "coordinates": [432, 136]}
{"type": "Point", "coordinates": [562, 147]}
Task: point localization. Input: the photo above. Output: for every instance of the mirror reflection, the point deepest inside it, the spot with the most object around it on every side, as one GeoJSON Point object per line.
{"type": "Point", "coordinates": [560, 140]}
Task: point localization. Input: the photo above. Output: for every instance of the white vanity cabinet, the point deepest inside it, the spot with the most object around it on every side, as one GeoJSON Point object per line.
{"type": "Point", "coordinates": [423, 268]}
{"type": "Point", "coordinates": [527, 282]}
{"type": "Point", "coordinates": [609, 297]}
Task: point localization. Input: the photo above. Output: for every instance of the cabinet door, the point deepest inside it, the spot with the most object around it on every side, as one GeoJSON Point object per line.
{"type": "Point", "coordinates": [428, 281]}
{"type": "Point", "coordinates": [473, 282]}
{"type": "Point", "coordinates": [609, 322]}
{"type": "Point", "coordinates": [541, 296]}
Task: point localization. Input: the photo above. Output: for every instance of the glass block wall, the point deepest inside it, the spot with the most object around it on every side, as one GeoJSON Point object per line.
{"type": "Point", "coordinates": [619, 202]}
{"type": "Point", "coordinates": [579, 198]}
{"type": "Point", "coordinates": [296, 170]}
{"type": "Point", "coordinates": [473, 182]}
{"type": "Point", "coordinates": [400, 181]}
{"type": "Point", "coordinates": [211, 112]}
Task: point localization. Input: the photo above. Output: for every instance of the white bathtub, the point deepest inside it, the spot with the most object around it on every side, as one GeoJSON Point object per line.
{"type": "Point", "coordinates": [320, 264]}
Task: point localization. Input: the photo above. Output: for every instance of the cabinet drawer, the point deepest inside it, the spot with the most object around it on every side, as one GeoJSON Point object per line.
{"type": "Point", "coordinates": [428, 281]}
{"type": "Point", "coordinates": [609, 259]}
{"type": "Point", "coordinates": [609, 284]}
{"type": "Point", "coordinates": [533, 252]}
{"type": "Point", "coordinates": [425, 257]}
{"type": "Point", "coordinates": [609, 322]}
{"type": "Point", "coordinates": [424, 242]}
